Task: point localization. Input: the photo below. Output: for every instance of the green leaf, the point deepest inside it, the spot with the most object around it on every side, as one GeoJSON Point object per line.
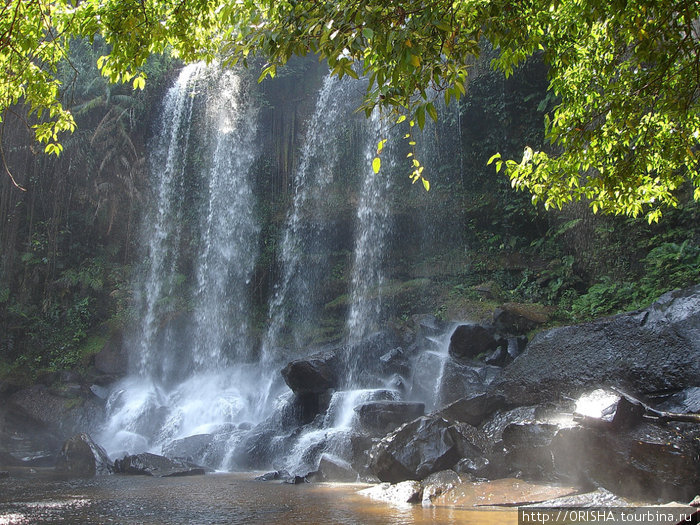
{"type": "Point", "coordinates": [376, 164]}
{"type": "Point", "coordinates": [426, 184]}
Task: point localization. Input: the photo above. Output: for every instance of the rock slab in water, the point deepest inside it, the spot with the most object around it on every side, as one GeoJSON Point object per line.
{"type": "Point", "coordinates": [314, 374]}
{"type": "Point", "coordinates": [381, 417]}
{"type": "Point", "coordinates": [650, 350]}
{"type": "Point", "coordinates": [501, 492]}
{"type": "Point", "coordinates": [437, 483]}
{"type": "Point", "coordinates": [154, 465]}
{"type": "Point", "coordinates": [398, 494]}
{"type": "Point", "coordinates": [81, 456]}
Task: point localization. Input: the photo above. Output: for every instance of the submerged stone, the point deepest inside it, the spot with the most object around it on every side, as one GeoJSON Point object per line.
{"type": "Point", "coordinates": [154, 465]}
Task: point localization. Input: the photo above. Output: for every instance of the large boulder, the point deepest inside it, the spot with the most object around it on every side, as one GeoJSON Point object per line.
{"type": "Point", "coordinates": [154, 465]}
{"type": "Point", "coordinates": [648, 461]}
{"type": "Point", "coordinates": [82, 457]}
{"type": "Point", "coordinates": [646, 351]}
{"type": "Point", "coordinates": [65, 411]}
{"type": "Point", "coordinates": [422, 447]}
{"type": "Point", "coordinates": [470, 341]}
{"type": "Point", "coordinates": [473, 408]}
{"type": "Point", "coordinates": [381, 417]}
{"type": "Point", "coordinates": [313, 374]}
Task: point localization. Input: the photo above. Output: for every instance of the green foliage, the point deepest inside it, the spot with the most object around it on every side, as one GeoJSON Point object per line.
{"type": "Point", "coordinates": [624, 132]}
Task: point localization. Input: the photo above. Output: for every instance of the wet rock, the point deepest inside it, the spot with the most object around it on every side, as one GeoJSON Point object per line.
{"type": "Point", "coordinates": [394, 362]}
{"type": "Point", "coordinates": [113, 359]}
{"type": "Point", "coordinates": [437, 483]}
{"type": "Point", "coordinates": [190, 448]}
{"type": "Point", "coordinates": [528, 450]}
{"type": "Point", "coordinates": [516, 346]}
{"type": "Point", "coordinates": [419, 448]}
{"type": "Point", "coordinates": [295, 480]}
{"type": "Point", "coordinates": [499, 357]}
{"type": "Point", "coordinates": [643, 352]}
{"type": "Point", "coordinates": [471, 341]}
{"type": "Point", "coordinates": [493, 427]}
{"type": "Point", "coordinates": [61, 413]}
{"type": "Point", "coordinates": [687, 401]}
{"type": "Point", "coordinates": [274, 476]}
{"type": "Point", "coordinates": [81, 456]}
{"type": "Point", "coordinates": [479, 468]}
{"type": "Point", "coordinates": [501, 492]}
{"type": "Point", "coordinates": [398, 494]}
{"type": "Point", "coordinates": [332, 468]}
{"type": "Point", "coordinates": [597, 498]}
{"type": "Point", "coordinates": [603, 406]}
{"type": "Point", "coordinates": [458, 381]}
{"type": "Point", "coordinates": [474, 408]}
{"type": "Point", "coordinates": [516, 319]}
{"type": "Point", "coordinates": [313, 374]}
{"type": "Point", "coordinates": [647, 461]}
{"type": "Point", "coordinates": [380, 417]}
{"type": "Point", "coordinates": [154, 465]}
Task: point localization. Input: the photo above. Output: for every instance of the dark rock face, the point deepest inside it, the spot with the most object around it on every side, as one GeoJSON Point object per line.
{"type": "Point", "coordinates": [380, 417]}
{"type": "Point", "coordinates": [460, 380]}
{"type": "Point", "coordinates": [419, 448]}
{"type": "Point", "coordinates": [82, 457]}
{"type": "Point", "coordinates": [113, 358]}
{"type": "Point", "coordinates": [154, 465]}
{"type": "Point", "coordinates": [331, 468]}
{"type": "Point", "coordinates": [473, 409]}
{"type": "Point", "coordinates": [65, 412]}
{"type": "Point", "coordinates": [469, 341]}
{"type": "Point", "coordinates": [314, 374]}
{"type": "Point", "coordinates": [649, 460]}
{"type": "Point", "coordinates": [25, 440]}
{"type": "Point", "coordinates": [645, 351]}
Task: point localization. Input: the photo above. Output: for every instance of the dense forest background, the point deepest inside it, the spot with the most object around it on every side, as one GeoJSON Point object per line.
{"type": "Point", "coordinates": [70, 242]}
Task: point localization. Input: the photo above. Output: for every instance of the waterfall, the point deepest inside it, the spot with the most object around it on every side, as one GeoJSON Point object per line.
{"type": "Point", "coordinates": [229, 229]}
{"type": "Point", "coordinates": [318, 159]}
{"type": "Point", "coordinates": [161, 226]}
{"type": "Point", "coordinates": [371, 230]}
{"type": "Point", "coordinates": [192, 372]}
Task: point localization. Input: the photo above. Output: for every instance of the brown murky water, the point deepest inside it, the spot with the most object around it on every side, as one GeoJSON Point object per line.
{"type": "Point", "coordinates": [212, 499]}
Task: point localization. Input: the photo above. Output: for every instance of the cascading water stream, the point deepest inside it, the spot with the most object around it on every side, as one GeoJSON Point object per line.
{"type": "Point", "coordinates": [161, 236]}
{"type": "Point", "coordinates": [193, 377]}
{"type": "Point", "coordinates": [229, 230]}
{"type": "Point", "coordinates": [319, 157]}
{"type": "Point", "coordinates": [372, 228]}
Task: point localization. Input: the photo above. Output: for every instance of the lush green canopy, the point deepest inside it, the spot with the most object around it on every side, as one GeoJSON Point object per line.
{"type": "Point", "coordinates": [625, 73]}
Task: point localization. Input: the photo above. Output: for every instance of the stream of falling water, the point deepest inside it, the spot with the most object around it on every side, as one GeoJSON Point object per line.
{"type": "Point", "coordinates": [193, 371]}
{"type": "Point", "coordinates": [319, 157]}
{"type": "Point", "coordinates": [371, 232]}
